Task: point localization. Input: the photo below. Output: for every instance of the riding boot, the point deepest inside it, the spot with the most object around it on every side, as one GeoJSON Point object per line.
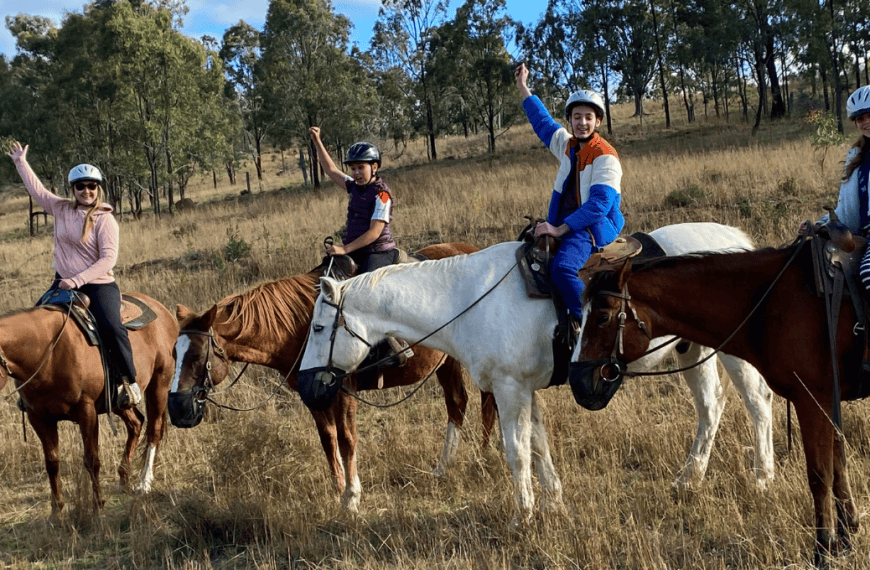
{"type": "Point", "coordinates": [402, 351]}
{"type": "Point", "coordinates": [129, 394]}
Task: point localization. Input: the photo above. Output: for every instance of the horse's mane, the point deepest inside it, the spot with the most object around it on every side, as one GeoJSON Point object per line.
{"type": "Point", "coordinates": [280, 304]}
{"type": "Point", "coordinates": [602, 279]}
{"type": "Point", "coordinates": [368, 281]}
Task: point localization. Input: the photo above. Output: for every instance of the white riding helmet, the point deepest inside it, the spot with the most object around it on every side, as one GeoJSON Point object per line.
{"type": "Point", "coordinates": [859, 102]}
{"type": "Point", "coordinates": [86, 172]}
{"type": "Point", "coordinates": [585, 97]}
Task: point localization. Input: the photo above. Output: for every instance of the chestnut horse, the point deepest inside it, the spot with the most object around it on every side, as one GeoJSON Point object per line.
{"type": "Point", "coordinates": [268, 325]}
{"type": "Point", "coordinates": [705, 298]}
{"type": "Point", "coordinates": [59, 376]}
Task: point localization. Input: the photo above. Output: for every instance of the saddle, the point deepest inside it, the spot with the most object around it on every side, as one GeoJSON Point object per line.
{"type": "Point", "coordinates": [534, 260]}
{"type": "Point", "coordinates": [836, 255]}
{"type": "Point", "coordinates": [134, 313]}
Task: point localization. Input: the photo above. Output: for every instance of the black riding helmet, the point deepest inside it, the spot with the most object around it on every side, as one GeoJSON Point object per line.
{"type": "Point", "coordinates": [363, 152]}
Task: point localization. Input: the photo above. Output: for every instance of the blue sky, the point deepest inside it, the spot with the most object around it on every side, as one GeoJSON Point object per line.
{"type": "Point", "coordinates": [213, 17]}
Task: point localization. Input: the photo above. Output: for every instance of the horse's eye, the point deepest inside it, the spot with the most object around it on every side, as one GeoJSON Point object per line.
{"type": "Point", "coordinates": [318, 328]}
{"type": "Point", "coordinates": [601, 320]}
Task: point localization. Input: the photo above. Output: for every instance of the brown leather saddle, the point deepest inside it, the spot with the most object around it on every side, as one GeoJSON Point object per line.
{"type": "Point", "coordinates": [135, 314]}
{"type": "Point", "coordinates": [534, 261]}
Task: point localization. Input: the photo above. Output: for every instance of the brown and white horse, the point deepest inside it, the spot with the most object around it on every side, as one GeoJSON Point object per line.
{"type": "Point", "coordinates": [705, 298]}
{"type": "Point", "coordinates": [59, 376]}
{"type": "Point", "coordinates": [268, 325]}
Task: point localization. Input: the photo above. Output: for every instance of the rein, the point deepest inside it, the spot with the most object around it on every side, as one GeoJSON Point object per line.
{"type": "Point", "coordinates": [340, 322]}
{"type": "Point", "coordinates": [801, 241]}
{"type": "Point", "coordinates": [45, 358]}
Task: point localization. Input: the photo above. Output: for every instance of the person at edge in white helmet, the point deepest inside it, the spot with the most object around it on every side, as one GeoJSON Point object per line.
{"type": "Point", "coordinates": [584, 206]}
{"type": "Point", "coordinates": [367, 238]}
{"type": "Point", "coordinates": [85, 251]}
{"type": "Point", "coordinates": [853, 204]}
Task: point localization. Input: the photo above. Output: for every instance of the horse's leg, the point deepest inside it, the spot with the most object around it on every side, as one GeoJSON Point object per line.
{"type": "Point", "coordinates": [709, 397]}
{"type": "Point", "coordinates": [847, 517]}
{"type": "Point", "coordinates": [488, 415]}
{"type": "Point", "coordinates": [456, 399]}
{"type": "Point", "coordinates": [515, 410]}
{"type": "Point", "coordinates": [132, 419]}
{"type": "Point", "coordinates": [46, 431]}
{"type": "Point", "coordinates": [90, 429]}
{"type": "Point", "coordinates": [326, 430]}
{"type": "Point", "coordinates": [758, 399]}
{"type": "Point", "coordinates": [345, 415]}
{"type": "Point", "coordinates": [155, 410]}
{"type": "Point", "coordinates": [551, 497]}
{"type": "Point", "coordinates": [817, 435]}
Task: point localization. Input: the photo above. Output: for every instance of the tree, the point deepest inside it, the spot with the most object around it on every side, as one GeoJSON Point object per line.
{"type": "Point", "coordinates": [241, 52]}
{"type": "Point", "coordinates": [472, 58]}
{"type": "Point", "coordinates": [309, 79]}
{"type": "Point", "coordinates": [405, 37]}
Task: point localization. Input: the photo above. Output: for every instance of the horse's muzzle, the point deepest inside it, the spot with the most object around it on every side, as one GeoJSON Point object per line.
{"type": "Point", "coordinates": [186, 408]}
{"type": "Point", "coordinates": [318, 386]}
{"type": "Point", "coordinates": [595, 382]}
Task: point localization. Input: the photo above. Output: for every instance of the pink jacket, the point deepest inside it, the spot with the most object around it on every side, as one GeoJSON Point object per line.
{"type": "Point", "coordinates": [88, 262]}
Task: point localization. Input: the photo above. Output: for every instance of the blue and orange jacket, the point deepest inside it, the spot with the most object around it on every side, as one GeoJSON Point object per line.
{"type": "Point", "coordinates": [598, 177]}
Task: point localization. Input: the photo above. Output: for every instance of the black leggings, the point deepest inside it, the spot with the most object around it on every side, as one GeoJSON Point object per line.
{"type": "Point", "coordinates": [106, 309]}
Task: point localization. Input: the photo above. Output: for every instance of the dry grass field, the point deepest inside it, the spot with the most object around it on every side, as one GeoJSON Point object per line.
{"type": "Point", "coordinates": [252, 490]}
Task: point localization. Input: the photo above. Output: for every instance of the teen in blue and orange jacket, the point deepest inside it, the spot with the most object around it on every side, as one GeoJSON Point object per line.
{"type": "Point", "coordinates": [584, 207]}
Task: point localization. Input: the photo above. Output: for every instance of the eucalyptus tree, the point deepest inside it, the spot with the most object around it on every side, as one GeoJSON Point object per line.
{"type": "Point", "coordinates": [241, 52]}
{"type": "Point", "coordinates": [553, 53]}
{"type": "Point", "coordinates": [472, 57]}
{"type": "Point", "coordinates": [27, 112]}
{"type": "Point", "coordinates": [404, 37]}
{"type": "Point", "coordinates": [308, 77]}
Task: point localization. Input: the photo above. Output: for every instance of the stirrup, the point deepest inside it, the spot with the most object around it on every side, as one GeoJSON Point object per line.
{"type": "Point", "coordinates": [403, 352]}
{"type": "Point", "coordinates": [129, 394]}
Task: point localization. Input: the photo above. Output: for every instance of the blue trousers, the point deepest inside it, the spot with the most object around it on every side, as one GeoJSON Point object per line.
{"type": "Point", "coordinates": [573, 253]}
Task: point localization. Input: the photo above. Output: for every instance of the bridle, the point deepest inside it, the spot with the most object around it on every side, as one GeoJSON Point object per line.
{"type": "Point", "coordinates": [207, 382]}
{"type": "Point", "coordinates": [614, 362]}
{"type": "Point", "coordinates": [339, 322]}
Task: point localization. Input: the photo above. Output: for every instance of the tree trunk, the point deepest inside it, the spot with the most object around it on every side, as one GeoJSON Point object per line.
{"type": "Point", "coordinates": [661, 66]}
{"type": "Point", "coordinates": [777, 105]}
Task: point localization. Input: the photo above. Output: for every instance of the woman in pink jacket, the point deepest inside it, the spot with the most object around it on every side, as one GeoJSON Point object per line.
{"type": "Point", "coordinates": [85, 251]}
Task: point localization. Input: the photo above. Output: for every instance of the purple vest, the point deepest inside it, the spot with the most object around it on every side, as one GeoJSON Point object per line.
{"type": "Point", "coordinates": [360, 209]}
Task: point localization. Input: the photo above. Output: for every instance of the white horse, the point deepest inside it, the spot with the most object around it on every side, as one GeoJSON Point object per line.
{"type": "Point", "coordinates": [503, 338]}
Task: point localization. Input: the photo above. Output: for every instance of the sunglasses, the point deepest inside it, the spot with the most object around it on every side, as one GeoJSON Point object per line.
{"type": "Point", "coordinates": [80, 186]}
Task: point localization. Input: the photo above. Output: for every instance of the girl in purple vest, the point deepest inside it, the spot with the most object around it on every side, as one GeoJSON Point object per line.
{"type": "Point", "coordinates": [367, 239]}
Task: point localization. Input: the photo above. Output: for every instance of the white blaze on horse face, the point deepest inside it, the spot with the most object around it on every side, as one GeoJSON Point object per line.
{"type": "Point", "coordinates": [181, 346]}
{"type": "Point", "coordinates": [316, 352]}
{"type": "Point", "coordinates": [581, 340]}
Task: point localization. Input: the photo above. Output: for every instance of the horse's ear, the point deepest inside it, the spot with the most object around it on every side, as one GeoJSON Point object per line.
{"type": "Point", "coordinates": [328, 289]}
{"type": "Point", "coordinates": [210, 315]}
{"type": "Point", "coordinates": [624, 273]}
{"type": "Point", "coordinates": [182, 313]}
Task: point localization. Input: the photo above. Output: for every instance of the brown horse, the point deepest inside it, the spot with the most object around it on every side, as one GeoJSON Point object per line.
{"type": "Point", "coordinates": [268, 325]}
{"type": "Point", "coordinates": [59, 376]}
{"type": "Point", "coordinates": [705, 298]}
